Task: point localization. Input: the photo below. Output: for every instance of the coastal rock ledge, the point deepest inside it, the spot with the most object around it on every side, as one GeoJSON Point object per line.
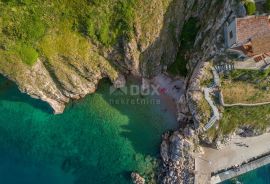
{"type": "Point", "coordinates": [58, 87]}
{"type": "Point", "coordinates": [177, 162]}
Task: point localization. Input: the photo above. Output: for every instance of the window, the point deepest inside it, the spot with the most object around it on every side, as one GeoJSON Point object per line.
{"type": "Point", "coordinates": [231, 34]}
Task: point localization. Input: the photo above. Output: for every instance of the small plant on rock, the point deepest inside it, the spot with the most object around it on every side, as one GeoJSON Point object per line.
{"type": "Point", "coordinates": [250, 7]}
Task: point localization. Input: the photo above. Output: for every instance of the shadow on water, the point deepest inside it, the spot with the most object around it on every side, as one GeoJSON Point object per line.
{"type": "Point", "coordinates": [95, 140]}
{"type": "Point", "coordinates": [103, 156]}
{"type": "Point", "coordinates": [10, 92]}
{"type": "Point", "coordinates": [74, 129]}
{"type": "Point", "coordinates": [140, 131]}
{"type": "Point", "coordinates": [146, 122]}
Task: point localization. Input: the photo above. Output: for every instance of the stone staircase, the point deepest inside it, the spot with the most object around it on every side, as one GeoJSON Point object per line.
{"type": "Point", "coordinates": [207, 95]}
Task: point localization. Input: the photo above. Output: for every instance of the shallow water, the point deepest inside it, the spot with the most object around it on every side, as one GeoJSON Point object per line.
{"type": "Point", "coordinates": [93, 141]}
{"type": "Point", "coordinates": [257, 176]}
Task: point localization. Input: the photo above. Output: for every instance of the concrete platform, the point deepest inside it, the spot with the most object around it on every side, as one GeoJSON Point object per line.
{"type": "Point", "coordinates": [228, 174]}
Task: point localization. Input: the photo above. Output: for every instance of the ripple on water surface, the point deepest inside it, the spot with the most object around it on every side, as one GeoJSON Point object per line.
{"type": "Point", "coordinates": [93, 141]}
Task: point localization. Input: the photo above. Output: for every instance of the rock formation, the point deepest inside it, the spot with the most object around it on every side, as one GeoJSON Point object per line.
{"type": "Point", "coordinates": [153, 46]}
{"type": "Point", "coordinates": [177, 162]}
{"type": "Point", "coordinates": [137, 179]}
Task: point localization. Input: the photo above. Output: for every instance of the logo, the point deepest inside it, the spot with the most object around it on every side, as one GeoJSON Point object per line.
{"type": "Point", "coordinates": [138, 90]}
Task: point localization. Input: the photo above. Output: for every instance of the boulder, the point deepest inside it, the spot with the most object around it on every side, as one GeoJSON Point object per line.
{"type": "Point", "coordinates": [137, 179]}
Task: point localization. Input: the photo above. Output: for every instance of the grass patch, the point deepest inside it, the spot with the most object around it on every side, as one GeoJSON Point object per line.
{"type": "Point", "coordinates": [246, 86]}
{"type": "Point", "coordinates": [28, 54]}
{"type": "Point", "coordinates": [115, 19]}
{"type": "Point", "coordinates": [207, 77]}
{"type": "Point", "coordinates": [65, 43]}
{"type": "Point", "coordinates": [67, 49]}
{"type": "Point", "coordinates": [205, 110]}
{"type": "Point", "coordinates": [28, 23]}
{"type": "Point", "coordinates": [248, 75]}
{"type": "Point", "coordinates": [243, 92]}
{"type": "Point", "coordinates": [255, 117]}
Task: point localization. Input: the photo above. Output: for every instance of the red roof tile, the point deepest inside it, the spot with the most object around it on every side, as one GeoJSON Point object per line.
{"type": "Point", "coordinates": [261, 44]}
{"type": "Point", "coordinates": [258, 58]}
{"type": "Point", "coordinates": [251, 26]}
{"type": "Point", "coordinates": [258, 47]}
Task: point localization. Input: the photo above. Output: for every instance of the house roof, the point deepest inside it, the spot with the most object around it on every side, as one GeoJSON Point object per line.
{"type": "Point", "coordinates": [246, 49]}
{"type": "Point", "coordinates": [248, 27]}
{"type": "Point", "coordinates": [261, 44]}
{"type": "Point", "coordinates": [258, 45]}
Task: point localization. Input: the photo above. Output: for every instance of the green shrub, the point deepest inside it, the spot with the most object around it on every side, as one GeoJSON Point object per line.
{"type": "Point", "coordinates": [32, 30]}
{"type": "Point", "coordinates": [125, 14]}
{"type": "Point", "coordinates": [101, 31]}
{"type": "Point", "coordinates": [186, 39]}
{"type": "Point", "coordinates": [267, 5]}
{"type": "Point", "coordinates": [22, 24]}
{"type": "Point", "coordinates": [111, 24]}
{"type": "Point", "coordinates": [28, 54]}
{"type": "Point", "coordinates": [179, 66]}
{"type": "Point", "coordinates": [189, 33]}
{"type": "Point", "coordinates": [250, 7]}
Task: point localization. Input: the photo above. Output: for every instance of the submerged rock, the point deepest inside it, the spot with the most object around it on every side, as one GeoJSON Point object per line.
{"type": "Point", "coordinates": [137, 179]}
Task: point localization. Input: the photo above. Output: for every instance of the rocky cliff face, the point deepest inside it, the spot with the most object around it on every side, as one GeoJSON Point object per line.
{"type": "Point", "coordinates": [209, 42]}
{"type": "Point", "coordinates": [153, 46]}
{"type": "Point", "coordinates": [58, 82]}
{"type": "Point", "coordinates": [209, 46]}
{"type": "Point", "coordinates": [73, 69]}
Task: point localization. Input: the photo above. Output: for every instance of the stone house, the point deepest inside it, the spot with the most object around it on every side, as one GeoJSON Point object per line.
{"type": "Point", "coordinates": [249, 37]}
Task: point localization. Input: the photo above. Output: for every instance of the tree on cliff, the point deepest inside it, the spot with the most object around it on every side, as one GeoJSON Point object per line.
{"type": "Point", "coordinates": [267, 5]}
{"type": "Point", "coordinates": [250, 7]}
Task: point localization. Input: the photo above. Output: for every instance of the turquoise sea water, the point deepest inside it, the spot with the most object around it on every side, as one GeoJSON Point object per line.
{"type": "Point", "coordinates": [92, 142]}
{"type": "Point", "coordinates": [257, 176]}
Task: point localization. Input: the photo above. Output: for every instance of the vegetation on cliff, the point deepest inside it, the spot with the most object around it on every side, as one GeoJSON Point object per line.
{"type": "Point", "coordinates": [26, 25]}
{"type": "Point", "coordinates": [267, 5]}
{"type": "Point", "coordinates": [61, 30]}
{"type": "Point", "coordinates": [250, 7]}
{"type": "Point", "coordinates": [256, 118]}
{"type": "Point", "coordinates": [186, 41]}
{"type": "Point", "coordinates": [249, 87]}
{"type": "Point", "coordinates": [246, 86]}
{"type": "Point", "coordinates": [70, 45]}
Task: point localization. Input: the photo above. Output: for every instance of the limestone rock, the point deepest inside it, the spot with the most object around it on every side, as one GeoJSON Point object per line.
{"type": "Point", "coordinates": [177, 162]}
{"type": "Point", "coordinates": [137, 179]}
{"type": "Point", "coordinates": [176, 147]}
{"type": "Point", "coordinates": [164, 151]}
{"type": "Point", "coordinates": [120, 82]}
{"type": "Point", "coordinates": [182, 104]}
